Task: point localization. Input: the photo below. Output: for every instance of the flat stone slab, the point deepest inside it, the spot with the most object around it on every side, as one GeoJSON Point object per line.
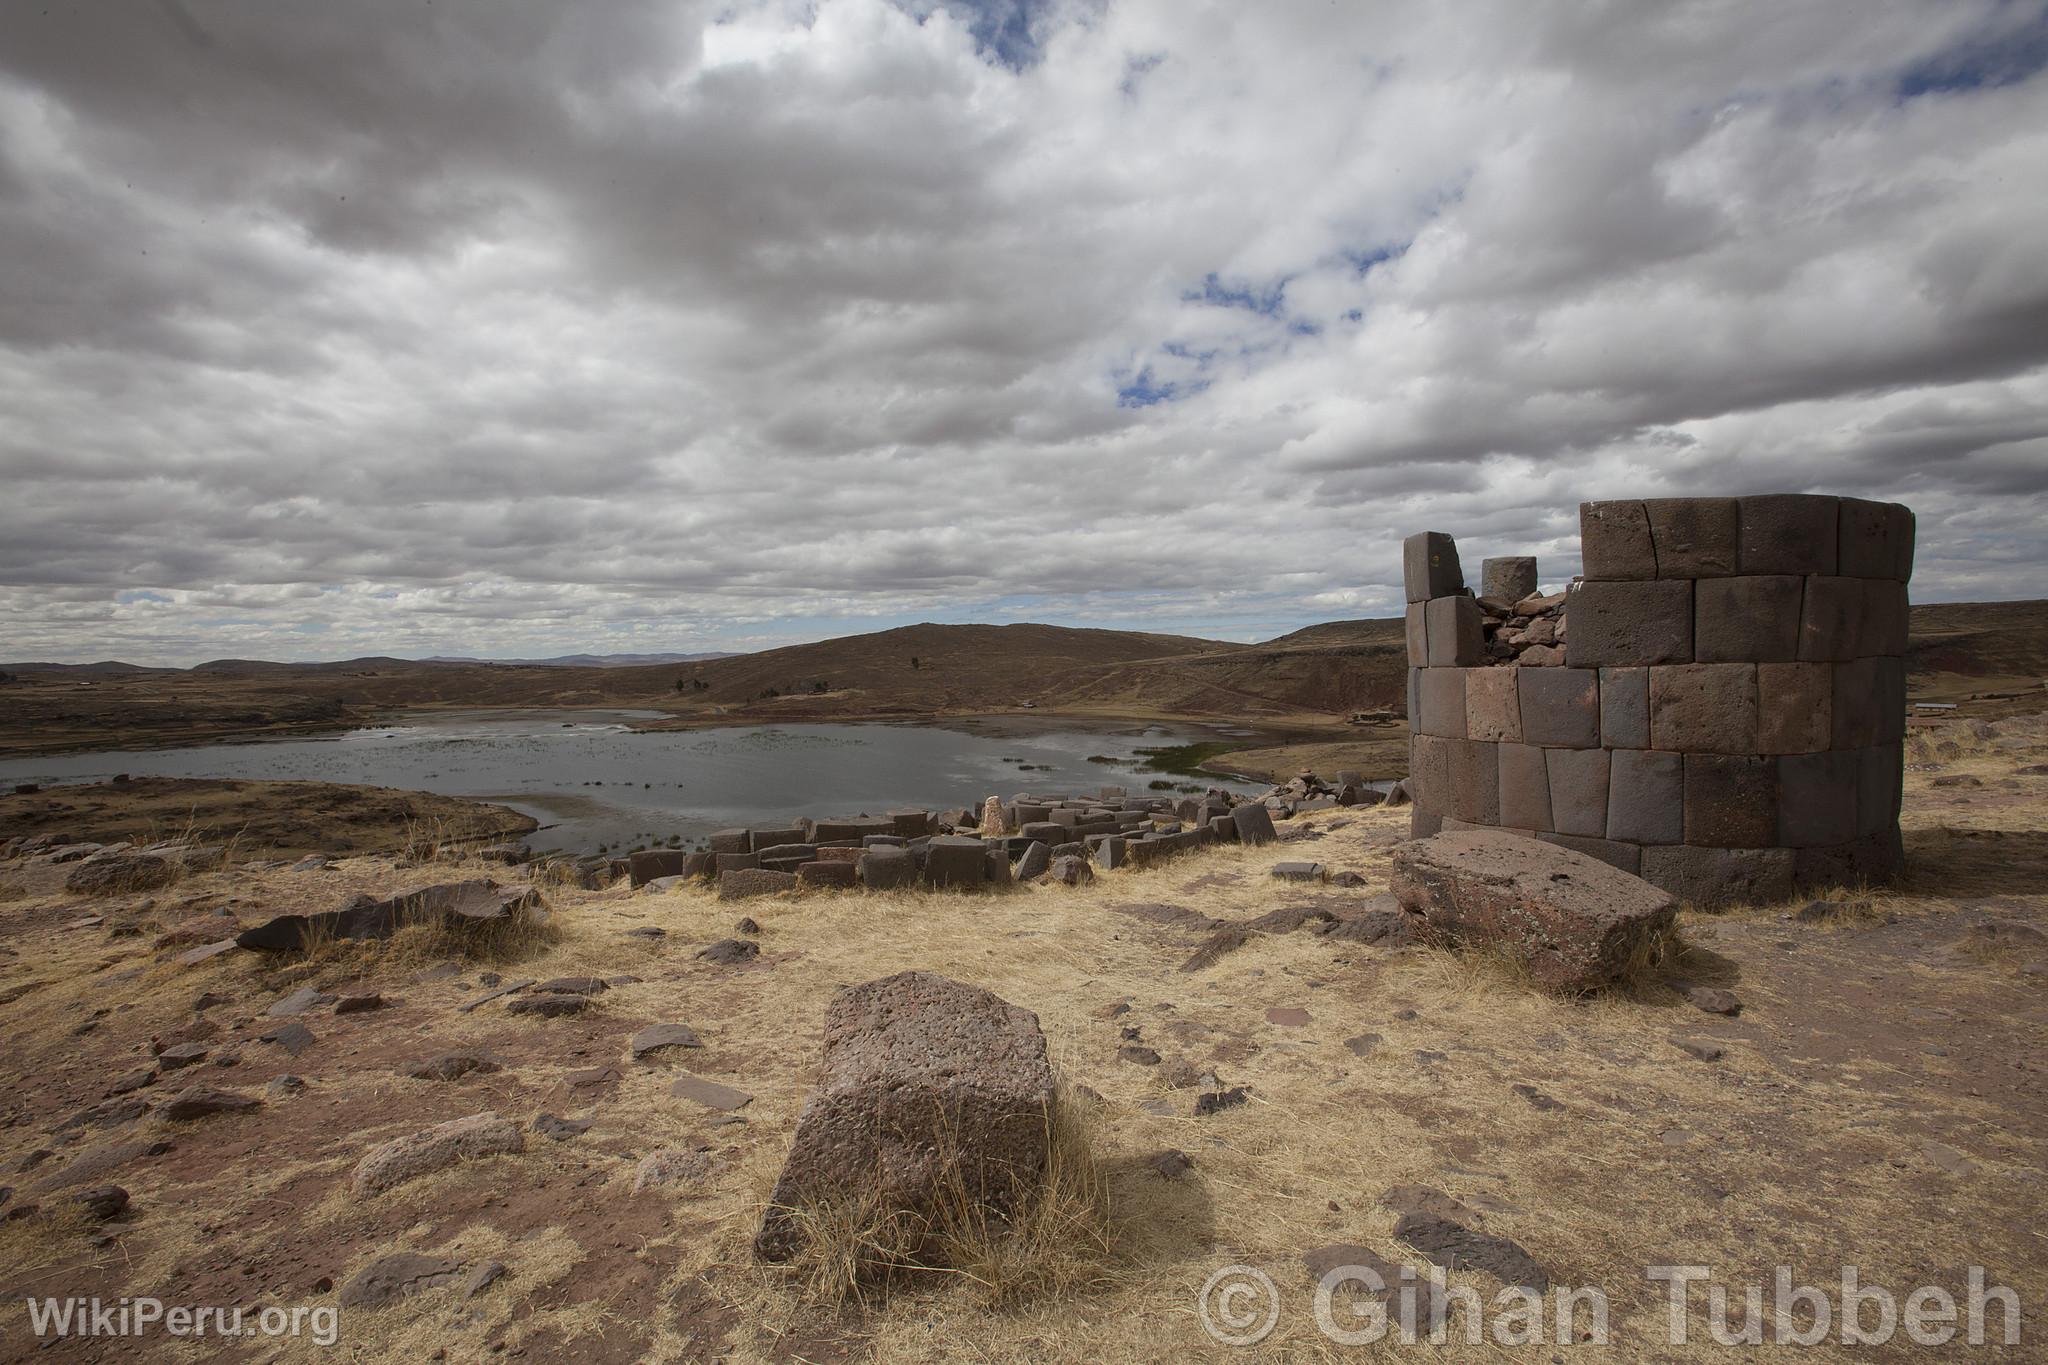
{"type": "Point", "coordinates": [710, 1094]}
{"type": "Point", "coordinates": [1298, 871]}
{"type": "Point", "coordinates": [388, 1279]}
{"type": "Point", "coordinates": [655, 1037]}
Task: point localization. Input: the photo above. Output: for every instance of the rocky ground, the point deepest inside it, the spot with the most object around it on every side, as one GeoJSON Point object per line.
{"type": "Point", "coordinates": [1876, 1099]}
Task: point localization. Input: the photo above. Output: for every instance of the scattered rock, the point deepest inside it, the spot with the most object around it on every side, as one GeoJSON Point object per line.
{"type": "Point", "coordinates": [499, 992]}
{"type": "Point", "coordinates": [655, 1037]}
{"type": "Point", "coordinates": [1573, 921]}
{"type": "Point", "coordinates": [293, 1037]}
{"type": "Point", "coordinates": [1069, 870]}
{"type": "Point", "coordinates": [95, 1162]}
{"type": "Point", "coordinates": [549, 1006]}
{"type": "Point", "coordinates": [669, 1166]}
{"type": "Point", "coordinates": [100, 1202]}
{"type": "Point", "coordinates": [1288, 1017]}
{"type": "Point", "coordinates": [1714, 1000]}
{"type": "Point", "coordinates": [1171, 1164]}
{"type": "Point", "coordinates": [746, 925]}
{"type": "Point", "coordinates": [104, 875]}
{"type": "Point", "coordinates": [1536, 1098]}
{"type": "Point", "coordinates": [360, 1003]}
{"type": "Point", "coordinates": [182, 1055]}
{"type": "Point", "coordinates": [1364, 1273]}
{"type": "Point", "coordinates": [927, 1086]}
{"type": "Point", "coordinates": [434, 1149]}
{"type": "Point", "coordinates": [482, 1278]}
{"type": "Point", "coordinates": [298, 1002]}
{"type": "Point", "coordinates": [451, 1066]}
{"type": "Point", "coordinates": [460, 905]}
{"type": "Point", "coordinates": [1705, 1050]}
{"type": "Point", "coordinates": [284, 1087]}
{"type": "Point", "coordinates": [1217, 1101]}
{"type": "Point", "coordinates": [572, 985]}
{"type": "Point", "coordinates": [1429, 1200]}
{"type": "Point", "coordinates": [711, 1094]}
{"type": "Point", "coordinates": [1457, 1247]}
{"type": "Point", "coordinates": [390, 1278]}
{"type": "Point", "coordinates": [1141, 1056]}
{"type": "Point", "coordinates": [647, 931]}
{"type": "Point", "coordinates": [730, 952]}
{"type": "Point", "coordinates": [202, 1101]}
{"type": "Point", "coordinates": [560, 1129]}
{"type": "Point", "coordinates": [1948, 1158]}
{"type": "Point", "coordinates": [1364, 1044]}
{"type": "Point", "coordinates": [133, 1080]}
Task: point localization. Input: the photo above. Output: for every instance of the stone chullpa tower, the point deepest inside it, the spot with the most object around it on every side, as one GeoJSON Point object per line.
{"type": "Point", "coordinates": [1718, 707]}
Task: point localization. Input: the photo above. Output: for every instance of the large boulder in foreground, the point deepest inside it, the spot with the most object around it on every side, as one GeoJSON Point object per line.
{"type": "Point", "coordinates": [1573, 921]}
{"type": "Point", "coordinates": [931, 1091]}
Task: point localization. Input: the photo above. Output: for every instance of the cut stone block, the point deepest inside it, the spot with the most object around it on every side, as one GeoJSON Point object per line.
{"type": "Point", "coordinates": [1442, 694]}
{"type": "Point", "coordinates": [1508, 577]}
{"type": "Point", "coordinates": [728, 841]}
{"type": "Point", "coordinates": [1623, 857]}
{"type": "Point", "coordinates": [1614, 542]}
{"type": "Point", "coordinates": [1703, 708]}
{"type": "Point", "coordinates": [1749, 619]}
{"type": "Point", "coordinates": [1859, 706]}
{"type": "Point", "coordinates": [1794, 708]}
{"type": "Point", "coordinates": [1254, 824]}
{"type": "Point", "coordinates": [1788, 533]}
{"type": "Point", "coordinates": [1709, 878]}
{"type": "Point", "coordinates": [833, 873]}
{"type": "Point", "coordinates": [1731, 800]}
{"type": "Point", "coordinates": [1625, 708]}
{"type": "Point", "coordinates": [760, 840]}
{"type": "Point", "coordinates": [1475, 781]}
{"type": "Point", "coordinates": [881, 867]}
{"type": "Point", "coordinates": [1429, 774]}
{"type": "Point", "coordinates": [1880, 777]}
{"type": "Point", "coordinates": [1423, 823]}
{"type": "Point", "coordinates": [1876, 539]}
{"type": "Point", "coordinates": [1695, 537]}
{"type": "Point", "coordinates": [1560, 707]}
{"type": "Point", "coordinates": [1524, 787]}
{"type": "Point", "coordinates": [1646, 796]}
{"type": "Point", "coordinates": [956, 860]}
{"type": "Point", "coordinates": [1418, 634]}
{"type": "Point", "coordinates": [1429, 566]}
{"type": "Point", "coordinates": [1573, 922]}
{"type": "Point", "coordinates": [1870, 861]}
{"type": "Point", "coordinates": [1455, 637]}
{"type": "Point", "coordinates": [1493, 706]}
{"type": "Point", "coordinates": [1629, 624]}
{"type": "Point", "coordinates": [1831, 619]}
{"type": "Point", "coordinates": [1817, 798]}
{"type": "Point", "coordinates": [1885, 616]}
{"type": "Point", "coordinates": [743, 883]}
{"type": "Point", "coordinates": [1578, 791]}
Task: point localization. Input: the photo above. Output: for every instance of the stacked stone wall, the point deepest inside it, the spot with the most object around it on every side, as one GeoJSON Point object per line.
{"type": "Point", "coordinates": [1725, 717]}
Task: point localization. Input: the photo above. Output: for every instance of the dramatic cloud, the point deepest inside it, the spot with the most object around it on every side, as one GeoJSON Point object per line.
{"type": "Point", "coordinates": [527, 328]}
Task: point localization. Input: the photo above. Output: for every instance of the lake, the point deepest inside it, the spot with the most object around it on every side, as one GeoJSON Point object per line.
{"type": "Point", "coordinates": [593, 781]}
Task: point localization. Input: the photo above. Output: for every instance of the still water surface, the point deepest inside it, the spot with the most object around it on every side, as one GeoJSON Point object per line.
{"type": "Point", "coordinates": [591, 780]}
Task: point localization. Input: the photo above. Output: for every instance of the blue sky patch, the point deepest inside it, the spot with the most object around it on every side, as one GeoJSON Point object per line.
{"type": "Point", "coordinates": [2002, 54]}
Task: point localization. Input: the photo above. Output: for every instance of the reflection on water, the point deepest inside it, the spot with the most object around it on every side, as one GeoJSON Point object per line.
{"type": "Point", "coordinates": [591, 780]}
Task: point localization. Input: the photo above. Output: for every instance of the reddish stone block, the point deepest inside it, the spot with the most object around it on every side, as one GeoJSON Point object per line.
{"type": "Point", "coordinates": [1429, 566]}
{"type": "Point", "coordinates": [1794, 708]}
{"type": "Point", "coordinates": [1578, 790]}
{"type": "Point", "coordinates": [1422, 823]}
{"type": "Point", "coordinates": [1560, 707]}
{"type": "Point", "coordinates": [1524, 787]}
{"type": "Point", "coordinates": [1704, 708]}
{"type": "Point", "coordinates": [1791, 533]}
{"type": "Point", "coordinates": [1441, 693]}
{"type": "Point", "coordinates": [1429, 772]}
{"type": "Point", "coordinates": [1614, 542]}
{"type": "Point", "coordinates": [1627, 857]}
{"type": "Point", "coordinates": [1646, 796]}
{"type": "Point", "coordinates": [1817, 798]}
{"type": "Point", "coordinates": [1695, 537]}
{"type": "Point", "coordinates": [1752, 618]}
{"type": "Point", "coordinates": [1731, 800]}
{"type": "Point", "coordinates": [1625, 625]}
{"type": "Point", "coordinates": [1708, 878]}
{"type": "Point", "coordinates": [1493, 706]}
{"type": "Point", "coordinates": [1455, 637]}
{"type": "Point", "coordinates": [1625, 708]}
{"type": "Point", "coordinates": [1475, 781]}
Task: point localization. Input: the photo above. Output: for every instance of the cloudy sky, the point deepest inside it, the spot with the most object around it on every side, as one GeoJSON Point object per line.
{"type": "Point", "coordinates": [511, 329]}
